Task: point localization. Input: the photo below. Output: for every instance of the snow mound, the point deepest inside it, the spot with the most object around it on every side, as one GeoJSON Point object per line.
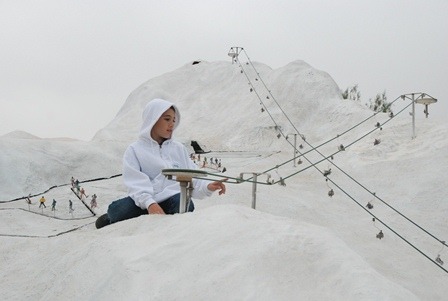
{"type": "Point", "coordinates": [213, 93]}
{"type": "Point", "coordinates": [19, 135]}
{"type": "Point", "coordinates": [220, 253]}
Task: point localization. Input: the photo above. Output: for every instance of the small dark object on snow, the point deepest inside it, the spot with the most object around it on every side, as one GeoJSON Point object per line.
{"type": "Point", "coordinates": [331, 193]}
{"type": "Point", "coordinates": [378, 125]}
{"type": "Point", "coordinates": [380, 235]}
{"type": "Point", "coordinates": [197, 148]}
{"type": "Point", "coordinates": [282, 182]}
{"type": "Point", "coordinates": [369, 205]}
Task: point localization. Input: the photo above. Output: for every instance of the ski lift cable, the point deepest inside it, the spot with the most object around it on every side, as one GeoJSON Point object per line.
{"type": "Point", "coordinates": [289, 120]}
{"type": "Point", "coordinates": [279, 128]}
{"type": "Point", "coordinates": [265, 107]}
{"type": "Point", "coordinates": [276, 124]}
{"type": "Point", "coordinates": [315, 148]}
{"type": "Point", "coordinates": [369, 212]}
{"type": "Point", "coordinates": [326, 158]}
{"type": "Point", "coordinates": [388, 227]}
{"type": "Point", "coordinates": [380, 199]}
{"type": "Point", "coordinates": [272, 118]}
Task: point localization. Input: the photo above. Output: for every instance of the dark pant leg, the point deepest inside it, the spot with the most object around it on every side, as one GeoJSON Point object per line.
{"type": "Point", "coordinates": [123, 209]}
{"type": "Point", "coordinates": [171, 205]}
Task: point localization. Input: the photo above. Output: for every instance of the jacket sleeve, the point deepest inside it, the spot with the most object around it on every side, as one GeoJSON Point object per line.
{"type": "Point", "coordinates": [139, 185]}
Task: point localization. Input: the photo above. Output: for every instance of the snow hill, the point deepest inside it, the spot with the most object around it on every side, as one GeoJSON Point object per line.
{"type": "Point", "coordinates": [211, 95]}
{"type": "Point", "coordinates": [299, 243]}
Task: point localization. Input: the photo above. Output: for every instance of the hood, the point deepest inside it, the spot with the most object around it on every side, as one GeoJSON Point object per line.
{"type": "Point", "coordinates": [152, 112]}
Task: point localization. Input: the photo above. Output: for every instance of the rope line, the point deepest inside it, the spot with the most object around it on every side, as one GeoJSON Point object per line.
{"type": "Point", "coordinates": [82, 201]}
{"type": "Point", "coordinates": [59, 218]}
{"type": "Point", "coordinates": [56, 186]}
{"type": "Point", "coordinates": [47, 236]}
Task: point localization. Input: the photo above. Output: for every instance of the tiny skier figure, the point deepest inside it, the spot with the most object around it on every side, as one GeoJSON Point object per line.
{"type": "Point", "coordinates": [93, 203]}
{"type": "Point", "coordinates": [77, 186]}
{"type": "Point", "coordinates": [82, 193]}
{"type": "Point", "coordinates": [72, 180]}
{"type": "Point", "coordinates": [42, 202]}
{"type": "Point", "coordinates": [53, 205]}
{"type": "Point", "coordinates": [28, 199]}
{"type": "Point", "coordinates": [70, 206]}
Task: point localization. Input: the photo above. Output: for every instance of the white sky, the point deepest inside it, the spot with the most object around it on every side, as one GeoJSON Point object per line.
{"type": "Point", "coordinates": [66, 67]}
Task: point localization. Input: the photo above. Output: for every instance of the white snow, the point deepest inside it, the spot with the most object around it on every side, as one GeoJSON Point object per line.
{"type": "Point", "coordinates": [299, 244]}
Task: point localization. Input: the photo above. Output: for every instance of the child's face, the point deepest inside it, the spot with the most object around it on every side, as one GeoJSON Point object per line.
{"type": "Point", "coordinates": [164, 127]}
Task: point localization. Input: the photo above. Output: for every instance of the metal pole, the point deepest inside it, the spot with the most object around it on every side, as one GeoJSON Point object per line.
{"type": "Point", "coordinates": [183, 196]}
{"type": "Point", "coordinates": [413, 116]}
{"type": "Point", "coordinates": [254, 184]}
{"type": "Point", "coordinates": [254, 190]}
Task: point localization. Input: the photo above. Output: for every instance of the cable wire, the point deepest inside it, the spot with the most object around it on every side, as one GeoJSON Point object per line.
{"type": "Point", "coordinates": [326, 157]}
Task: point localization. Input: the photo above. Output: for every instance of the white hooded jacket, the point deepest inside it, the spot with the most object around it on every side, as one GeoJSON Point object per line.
{"type": "Point", "coordinates": [144, 160]}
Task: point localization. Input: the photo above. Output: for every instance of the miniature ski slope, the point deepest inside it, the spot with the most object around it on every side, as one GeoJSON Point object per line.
{"type": "Point", "coordinates": [299, 243]}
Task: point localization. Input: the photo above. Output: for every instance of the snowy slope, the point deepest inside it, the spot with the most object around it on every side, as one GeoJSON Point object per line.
{"type": "Point", "coordinates": [210, 95]}
{"type": "Point", "coordinates": [298, 244]}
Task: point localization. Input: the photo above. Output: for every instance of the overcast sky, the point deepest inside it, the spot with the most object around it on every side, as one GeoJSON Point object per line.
{"type": "Point", "coordinates": [66, 67]}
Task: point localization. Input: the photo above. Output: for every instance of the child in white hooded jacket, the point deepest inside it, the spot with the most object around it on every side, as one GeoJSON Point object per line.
{"type": "Point", "coordinates": [149, 191]}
